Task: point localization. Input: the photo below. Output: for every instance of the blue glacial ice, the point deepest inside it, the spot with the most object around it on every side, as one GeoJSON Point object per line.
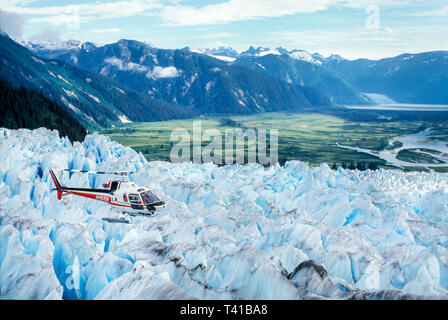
{"type": "Point", "coordinates": [232, 232]}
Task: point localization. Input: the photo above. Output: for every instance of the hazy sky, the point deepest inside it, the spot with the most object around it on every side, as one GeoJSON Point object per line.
{"type": "Point", "coordinates": [351, 28]}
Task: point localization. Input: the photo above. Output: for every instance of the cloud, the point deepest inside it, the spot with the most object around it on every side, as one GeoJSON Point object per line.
{"type": "Point", "coordinates": [11, 23]}
{"type": "Point", "coordinates": [157, 72]}
{"type": "Point", "coordinates": [127, 66]}
{"type": "Point", "coordinates": [431, 13]}
{"type": "Point", "coordinates": [360, 42]}
{"type": "Point", "coordinates": [85, 11]}
{"type": "Point", "coordinates": [47, 35]}
{"type": "Point", "coordinates": [70, 21]}
{"type": "Point", "coordinates": [241, 10]}
{"type": "Point", "coordinates": [174, 13]}
{"type": "Point", "coordinates": [237, 10]}
{"type": "Point", "coordinates": [216, 35]}
{"type": "Point", "coordinates": [164, 72]}
{"type": "Point", "coordinates": [107, 30]}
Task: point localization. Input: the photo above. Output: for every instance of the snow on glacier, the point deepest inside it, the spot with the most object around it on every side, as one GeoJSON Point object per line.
{"type": "Point", "coordinates": [232, 232]}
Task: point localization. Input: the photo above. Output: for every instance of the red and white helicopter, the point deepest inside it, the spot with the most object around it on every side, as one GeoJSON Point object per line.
{"type": "Point", "coordinates": [122, 194]}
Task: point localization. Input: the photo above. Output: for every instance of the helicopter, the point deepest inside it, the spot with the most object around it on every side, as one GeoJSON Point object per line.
{"type": "Point", "coordinates": [122, 194]}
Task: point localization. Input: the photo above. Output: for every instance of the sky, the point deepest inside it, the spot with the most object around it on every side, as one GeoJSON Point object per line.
{"type": "Point", "coordinates": [352, 28]}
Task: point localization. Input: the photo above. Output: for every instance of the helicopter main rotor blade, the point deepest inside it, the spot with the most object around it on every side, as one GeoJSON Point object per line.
{"type": "Point", "coordinates": [121, 173]}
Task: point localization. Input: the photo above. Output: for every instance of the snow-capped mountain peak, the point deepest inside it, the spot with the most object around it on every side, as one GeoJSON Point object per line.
{"type": "Point", "coordinates": [304, 56]}
{"type": "Point", "coordinates": [295, 54]}
{"type": "Point", "coordinates": [37, 45]}
{"type": "Point", "coordinates": [335, 57]}
{"type": "Point", "coordinates": [260, 51]}
{"type": "Point", "coordinates": [227, 54]}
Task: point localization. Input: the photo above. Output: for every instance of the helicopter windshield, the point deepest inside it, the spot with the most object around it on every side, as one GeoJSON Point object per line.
{"type": "Point", "coordinates": [149, 197]}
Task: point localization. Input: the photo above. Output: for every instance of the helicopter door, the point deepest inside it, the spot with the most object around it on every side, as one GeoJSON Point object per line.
{"type": "Point", "coordinates": [134, 199]}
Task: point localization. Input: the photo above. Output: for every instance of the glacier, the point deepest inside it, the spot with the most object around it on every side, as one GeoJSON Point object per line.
{"type": "Point", "coordinates": [231, 232]}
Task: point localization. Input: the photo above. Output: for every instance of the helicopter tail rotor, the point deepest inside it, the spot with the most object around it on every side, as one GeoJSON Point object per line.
{"type": "Point", "coordinates": [57, 184]}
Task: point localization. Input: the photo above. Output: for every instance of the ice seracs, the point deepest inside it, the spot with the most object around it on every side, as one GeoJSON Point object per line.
{"type": "Point", "coordinates": [232, 232]}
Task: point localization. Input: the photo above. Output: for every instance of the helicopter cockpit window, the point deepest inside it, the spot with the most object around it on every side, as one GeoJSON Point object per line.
{"type": "Point", "coordinates": [134, 198]}
{"type": "Point", "coordinates": [114, 185]}
{"type": "Point", "coordinates": [149, 197]}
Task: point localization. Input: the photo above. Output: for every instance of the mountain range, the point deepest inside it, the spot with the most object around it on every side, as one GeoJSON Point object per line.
{"type": "Point", "coordinates": [198, 81]}
{"type": "Point", "coordinates": [135, 81]}
{"type": "Point", "coordinates": [91, 97]}
{"type": "Point", "coordinates": [305, 72]}
{"type": "Point", "coordinates": [407, 78]}
{"type": "Point", "coordinates": [194, 76]}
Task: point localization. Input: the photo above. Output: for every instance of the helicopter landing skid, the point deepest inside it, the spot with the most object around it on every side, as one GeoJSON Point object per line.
{"type": "Point", "coordinates": [131, 215]}
{"type": "Point", "coordinates": [117, 220]}
{"type": "Point", "coordinates": [140, 214]}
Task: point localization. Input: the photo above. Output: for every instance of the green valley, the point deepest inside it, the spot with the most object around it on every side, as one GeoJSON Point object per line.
{"type": "Point", "coordinates": [313, 138]}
